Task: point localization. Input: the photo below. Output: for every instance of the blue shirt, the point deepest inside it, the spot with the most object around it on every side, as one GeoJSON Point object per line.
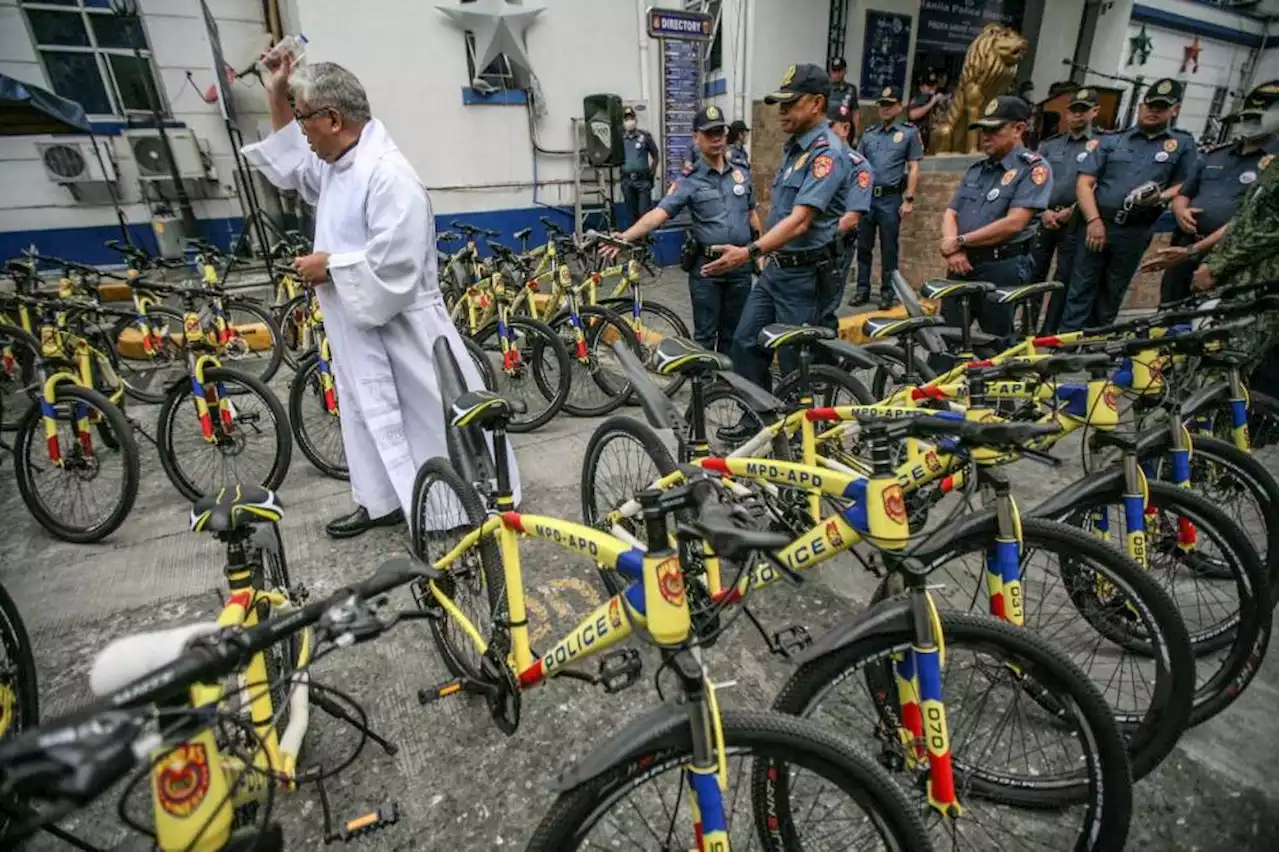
{"type": "Point", "coordinates": [1066, 154]}
{"type": "Point", "coordinates": [858, 183]}
{"type": "Point", "coordinates": [1128, 159]}
{"type": "Point", "coordinates": [889, 149]}
{"type": "Point", "coordinates": [990, 188]}
{"type": "Point", "coordinates": [636, 147]}
{"type": "Point", "coordinates": [1218, 183]}
{"type": "Point", "coordinates": [811, 174]}
{"type": "Point", "coordinates": [719, 203]}
{"type": "Point", "coordinates": [738, 155]}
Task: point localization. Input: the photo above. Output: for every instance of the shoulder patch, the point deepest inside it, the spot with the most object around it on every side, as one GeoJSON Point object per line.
{"type": "Point", "coordinates": [864, 179]}
{"type": "Point", "coordinates": [1091, 145]}
{"type": "Point", "coordinates": [1039, 175]}
{"type": "Point", "coordinates": [1171, 145]}
{"type": "Point", "coordinates": [1030, 156]}
{"type": "Point", "coordinates": [822, 165]}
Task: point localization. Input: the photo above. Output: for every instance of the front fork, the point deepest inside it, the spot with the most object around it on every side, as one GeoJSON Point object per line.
{"type": "Point", "coordinates": [327, 388]}
{"type": "Point", "coordinates": [706, 773]}
{"type": "Point", "coordinates": [1004, 559]}
{"type": "Point", "coordinates": [209, 397]}
{"type": "Point", "coordinates": [1239, 403]}
{"type": "Point", "coordinates": [79, 421]}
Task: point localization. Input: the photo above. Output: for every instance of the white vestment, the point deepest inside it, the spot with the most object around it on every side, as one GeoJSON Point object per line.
{"type": "Point", "coordinates": [383, 309]}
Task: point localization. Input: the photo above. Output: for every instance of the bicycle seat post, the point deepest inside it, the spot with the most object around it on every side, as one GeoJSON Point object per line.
{"type": "Point", "coordinates": [504, 500]}
{"type": "Point", "coordinates": [806, 358]}
{"type": "Point", "coordinates": [966, 319]}
{"type": "Point", "coordinates": [700, 449]}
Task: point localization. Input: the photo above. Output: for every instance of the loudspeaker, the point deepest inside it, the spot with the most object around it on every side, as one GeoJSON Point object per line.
{"type": "Point", "coordinates": [603, 115]}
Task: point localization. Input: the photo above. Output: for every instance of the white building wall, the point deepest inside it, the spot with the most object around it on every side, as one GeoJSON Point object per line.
{"type": "Point", "coordinates": [176, 33]}
{"type": "Point", "coordinates": [1059, 32]}
{"type": "Point", "coordinates": [787, 32]}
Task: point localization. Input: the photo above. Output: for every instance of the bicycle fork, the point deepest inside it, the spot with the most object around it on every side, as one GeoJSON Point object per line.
{"type": "Point", "coordinates": [1004, 557]}
{"type": "Point", "coordinates": [706, 773]}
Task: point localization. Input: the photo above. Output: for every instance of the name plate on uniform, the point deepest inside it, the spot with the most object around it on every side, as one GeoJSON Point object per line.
{"type": "Point", "coordinates": [673, 23]}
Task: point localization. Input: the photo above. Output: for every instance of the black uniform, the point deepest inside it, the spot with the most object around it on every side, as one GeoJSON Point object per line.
{"type": "Point", "coordinates": [1216, 187]}
{"type": "Point", "coordinates": [1122, 163]}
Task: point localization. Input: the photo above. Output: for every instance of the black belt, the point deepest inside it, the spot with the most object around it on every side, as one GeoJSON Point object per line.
{"type": "Point", "coordinates": [638, 175]}
{"type": "Point", "coordinates": [1138, 217]}
{"type": "Point", "coordinates": [889, 189]}
{"type": "Point", "coordinates": [792, 259]}
{"type": "Point", "coordinates": [705, 251]}
{"type": "Point", "coordinates": [988, 254]}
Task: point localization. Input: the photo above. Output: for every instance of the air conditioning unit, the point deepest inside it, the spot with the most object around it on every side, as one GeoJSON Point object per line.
{"type": "Point", "coordinates": [153, 164]}
{"type": "Point", "coordinates": [75, 162]}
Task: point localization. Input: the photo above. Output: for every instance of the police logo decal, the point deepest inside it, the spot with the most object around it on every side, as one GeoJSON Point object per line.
{"type": "Point", "coordinates": [864, 179]}
{"type": "Point", "coordinates": [899, 136]}
{"type": "Point", "coordinates": [671, 582]}
{"type": "Point", "coordinates": [1171, 145]}
{"type": "Point", "coordinates": [1247, 178]}
{"type": "Point", "coordinates": [615, 614]}
{"type": "Point", "coordinates": [182, 779]}
{"type": "Point", "coordinates": [1039, 175]}
{"type": "Point", "coordinates": [1009, 177]}
{"type": "Point", "coordinates": [738, 177]}
{"type": "Point", "coordinates": [992, 105]}
{"type": "Point", "coordinates": [833, 535]}
{"type": "Point", "coordinates": [821, 166]}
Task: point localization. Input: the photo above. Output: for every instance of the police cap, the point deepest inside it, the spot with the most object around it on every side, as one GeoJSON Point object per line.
{"type": "Point", "coordinates": [1001, 110]}
{"type": "Point", "coordinates": [1259, 100]}
{"type": "Point", "coordinates": [800, 80]}
{"type": "Point", "coordinates": [1086, 97]}
{"type": "Point", "coordinates": [709, 118]}
{"type": "Point", "coordinates": [1164, 92]}
{"type": "Point", "coordinates": [889, 95]}
{"type": "Point", "coordinates": [839, 111]}
{"type": "Point", "coordinates": [838, 64]}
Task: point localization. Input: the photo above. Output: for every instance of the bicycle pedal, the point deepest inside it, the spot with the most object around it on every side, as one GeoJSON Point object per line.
{"type": "Point", "coordinates": [619, 670]}
{"type": "Point", "coordinates": [298, 593]}
{"type": "Point", "coordinates": [361, 826]}
{"type": "Point", "coordinates": [790, 640]}
{"type": "Point", "coordinates": [451, 687]}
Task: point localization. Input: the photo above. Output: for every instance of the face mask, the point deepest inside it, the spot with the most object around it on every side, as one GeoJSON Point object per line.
{"type": "Point", "coordinates": [1264, 125]}
{"type": "Point", "coordinates": [629, 125]}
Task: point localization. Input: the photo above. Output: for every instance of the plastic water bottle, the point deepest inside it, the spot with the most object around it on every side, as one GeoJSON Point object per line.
{"type": "Point", "coordinates": [291, 45]}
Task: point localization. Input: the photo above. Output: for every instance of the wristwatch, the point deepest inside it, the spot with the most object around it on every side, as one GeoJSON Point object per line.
{"type": "Point", "coordinates": [960, 241]}
{"type": "Point", "coordinates": [908, 198]}
{"type": "Point", "coordinates": [753, 251]}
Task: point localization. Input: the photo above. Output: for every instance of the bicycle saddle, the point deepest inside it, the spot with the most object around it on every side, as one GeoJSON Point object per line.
{"type": "Point", "coordinates": [1007, 295]}
{"type": "Point", "coordinates": [941, 288]}
{"type": "Point", "coordinates": [677, 355]}
{"type": "Point", "coordinates": [878, 328]}
{"type": "Point", "coordinates": [485, 409]}
{"type": "Point", "coordinates": [235, 508]}
{"type": "Point", "coordinates": [778, 335]}
{"type": "Point", "coordinates": [523, 233]}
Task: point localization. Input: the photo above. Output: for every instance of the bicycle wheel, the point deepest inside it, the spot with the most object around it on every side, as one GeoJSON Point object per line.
{"type": "Point", "coordinates": [623, 457]}
{"type": "Point", "coordinates": [831, 387]}
{"type": "Point", "coordinates": [86, 496]}
{"type": "Point", "coordinates": [730, 420]}
{"type": "Point", "coordinates": [535, 370]}
{"type": "Point", "coordinates": [1241, 486]}
{"type": "Point", "coordinates": [997, 677]}
{"type": "Point", "coordinates": [19, 687]}
{"type": "Point", "coordinates": [317, 428]}
{"type": "Point", "coordinates": [883, 381]}
{"type": "Point", "coordinates": [1228, 620]}
{"type": "Point", "coordinates": [18, 351]}
{"type": "Point", "coordinates": [482, 363]}
{"type": "Point", "coordinates": [444, 510]}
{"type": "Point", "coordinates": [254, 448]}
{"type": "Point", "coordinates": [254, 344]}
{"type": "Point", "coordinates": [291, 319]}
{"type": "Point", "coordinates": [597, 383]}
{"type": "Point", "coordinates": [792, 786]}
{"type": "Point", "coordinates": [1130, 642]}
{"type": "Point", "coordinates": [149, 371]}
{"type": "Point", "coordinates": [651, 325]}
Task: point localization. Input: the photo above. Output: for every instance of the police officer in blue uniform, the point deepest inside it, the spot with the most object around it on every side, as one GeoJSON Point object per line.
{"type": "Point", "coordinates": [800, 233]}
{"type": "Point", "coordinates": [856, 192]}
{"type": "Point", "coordinates": [722, 204]}
{"type": "Point", "coordinates": [738, 132]}
{"type": "Point", "coordinates": [639, 166]}
{"type": "Point", "coordinates": [1060, 226]}
{"type": "Point", "coordinates": [1122, 186]}
{"type": "Point", "coordinates": [842, 90]}
{"type": "Point", "coordinates": [895, 151]}
{"type": "Point", "coordinates": [989, 226]}
{"type": "Point", "coordinates": [1209, 198]}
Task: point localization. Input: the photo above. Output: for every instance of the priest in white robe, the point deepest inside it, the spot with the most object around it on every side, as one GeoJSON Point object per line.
{"type": "Point", "coordinates": [374, 271]}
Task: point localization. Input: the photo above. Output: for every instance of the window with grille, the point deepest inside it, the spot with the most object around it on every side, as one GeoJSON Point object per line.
{"type": "Point", "coordinates": [496, 75]}
{"type": "Point", "coordinates": [1212, 122]}
{"type": "Point", "coordinates": [714, 55]}
{"type": "Point", "coordinates": [88, 55]}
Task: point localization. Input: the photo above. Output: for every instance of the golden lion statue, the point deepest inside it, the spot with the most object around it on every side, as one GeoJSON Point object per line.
{"type": "Point", "coordinates": [989, 67]}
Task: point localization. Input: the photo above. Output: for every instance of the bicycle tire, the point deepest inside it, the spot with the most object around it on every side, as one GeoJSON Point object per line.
{"type": "Point", "coordinates": [482, 363]}
{"type": "Point", "coordinates": [722, 394]}
{"type": "Point", "coordinates": [826, 382]}
{"type": "Point", "coordinates": [1244, 638]}
{"type": "Point", "coordinates": [305, 388]}
{"type": "Point", "coordinates": [289, 318]}
{"type": "Point", "coordinates": [601, 327]}
{"type": "Point", "coordinates": [884, 381]}
{"type": "Point", "coordinates": [173, 352]}
{"type": "Point", "coordinates": [594, 505]}
{"type": "Point", "coordinates": [1105, 790]}
{"type": "Point", "coordinates": [20, 709]}
{"type": "Point", "coordinates": [544, 344]}
{"type": "Point", "coordinates": [483, 563]}
{"type": "Point", "coordinates": [265, 368]}
{"type": "Point", "coordinates": [1152, 731]}
{"type": "Point", "coordinates": [31, 436]}
{"type": "Point", "coordinates": [1210, 456]}
{"type": "Point", "coordinates": [775, 741]}
{"type": "Point", "coordinates": [167, 421]}
{"type": "Point", "coordinates": [15, 398]}
{"type": "Point", "coordinates": [623, 306]}
{"type": "Point", "coordinates": [1264, 420]}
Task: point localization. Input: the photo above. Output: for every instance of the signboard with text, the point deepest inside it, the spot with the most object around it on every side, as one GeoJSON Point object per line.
{"type": "Point", "coordinates": [673, 23]}
{"type": "Point", "coordinates": [681, 98]}
{"type": "Point", "coordinates": [950, 26]}
{"type": "Point", "coordinates": [885, 47]}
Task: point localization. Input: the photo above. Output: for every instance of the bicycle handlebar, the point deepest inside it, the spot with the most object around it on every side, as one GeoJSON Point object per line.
{"type": "Point", "coordinates": [77, 757]}
{"type": "Point", "coordinates": [966, 432]}
{"type": "Point", "coordinates": [1045, 367]}
{"type": "Point", "coordinates": [474, 230]}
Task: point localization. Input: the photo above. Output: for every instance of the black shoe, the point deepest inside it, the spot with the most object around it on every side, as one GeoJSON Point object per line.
{"type": "Point", "coordinates": [350, 526]}
{"type": "Point", "coordinates": [859, 299]}
{"type": "Point", "coordinates": [737, 433]}
{"type": "Point", "coordinates": [886, 302]}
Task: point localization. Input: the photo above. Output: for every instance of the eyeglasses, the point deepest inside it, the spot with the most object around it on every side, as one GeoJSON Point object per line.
{"type": "Point", "coordinates": [715, 132]}
{"type": "Point", "coordinates": [301, 118]}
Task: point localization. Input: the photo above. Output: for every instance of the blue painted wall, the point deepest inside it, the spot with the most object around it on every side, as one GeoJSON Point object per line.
{"type": "Point", "coordinates": [85, 245]}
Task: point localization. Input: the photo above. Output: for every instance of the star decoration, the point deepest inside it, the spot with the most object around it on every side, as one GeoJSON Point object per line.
{"type": "Point", "coordinates": [1140, 46]}
{"type": "Point", "coordinates": [499, 28]}
{"type": "Point", "coordinates": [1191, 54]}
